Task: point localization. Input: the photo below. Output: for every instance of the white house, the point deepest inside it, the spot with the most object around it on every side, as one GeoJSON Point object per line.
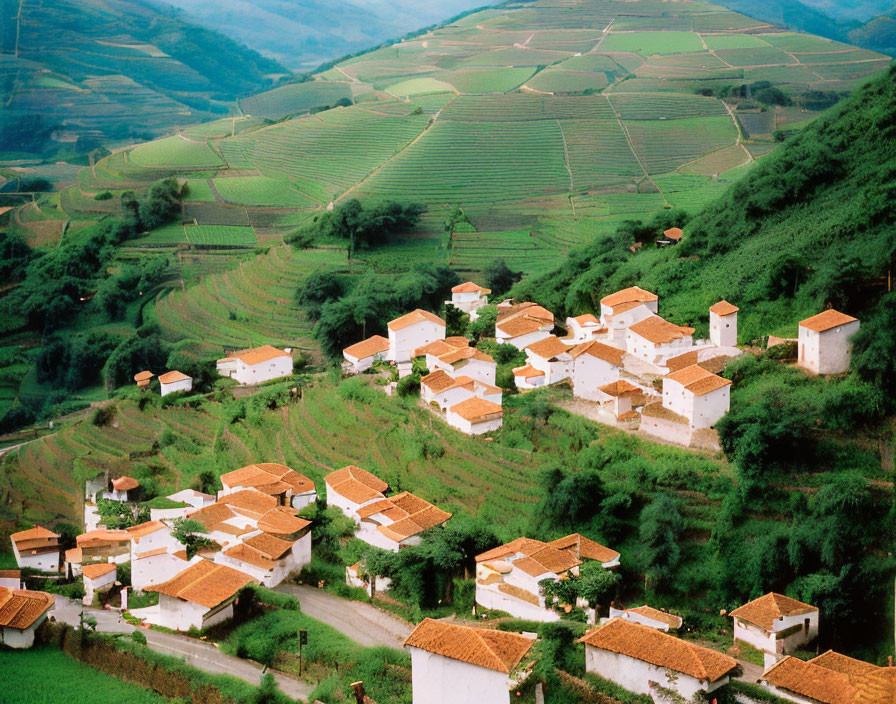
{"type": "Point", "coordinates": [594, 365]}
{"type": "Point", "coordinates": [698, 395]}
{"type": "Point", "coordinates": [465, 361]}
{"type": "Point", "coordinates": [179, 505]}
{"type": "Point", "coordinates": [174, 381]}
{"type": "Point", "coordinates": [397, 522]}
{"type": "Point", "coordinates": [583, 328]}
{"type": "Point", "coordinates": [723, 324]}
{"type": "Point", "coordinates": [21, 612]}
{"type": "Point", "coordinates": [469, 297]}
{"type": "Point", "coordinates": [192, 498]}
{"type": "Point", "coordinates": [356, 577]}
{"type": "Point", "coordinates": [257, 366]}
{"type": "Point", "coordinates": [648, 616]}
{"type": "Point", "coordinates": [99, 577]}
{"type": "Point", "coordinates": [158, 565]}
{"type": "Point", "coordinates": [267, 559]}
{"type": "Point", "coordinates": [453, 664]}
{"type": "Point", "coordinates": [37, 549]}
{"type": "Point", "coordinates": [11, 579]}
{"type": "Point", "coordinates": [775, 623]}
{"type": "Point", "coordinates": [824, 342]}
{"type": "Point", "coordinates": [351, 487]}
{"type": "Point", "coordinates": [475, 416]}
{"type": "Point", "coordinates": [830, 678]}
{"type": "Point", "coordinates": [551, 357]}
{"type": "Point", "coordinates": [620, 310]}
{"type": "Point", "coordinates": [103, 545]}
{"type": "Point", "coordinates": [508, 577]}
{"type": "Point", "coordinates": [362, 355]}
{"type": "Point", "coordinates": [416, 329]}
{"type": "Point", "coordinates": [621, 396]}
{"type": "Point", "coordinates": [636, 656]}
{"type": "Point", "coordinates": [446, 391]}
{"type": "Point", "coordinates": [286, 485]}
{"type": "Point", "coordinates": [150, 536]}
{"type": "Point", "coordinates": [199, 597]}
{"type": "Point", "coordinates": [120, 488]}
{"type": "Point", "coordinates": [654, 339]}
{"type": "Point", "coordinates": [521, 324]}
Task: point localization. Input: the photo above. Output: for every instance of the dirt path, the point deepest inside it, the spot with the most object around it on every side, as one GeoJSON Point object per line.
{"type": "Point", "coordinates": [739, 133]}
{"type": "Point", "coordinates": [631, 146]}
{"type": "Point", "coordinates": [568, 167]}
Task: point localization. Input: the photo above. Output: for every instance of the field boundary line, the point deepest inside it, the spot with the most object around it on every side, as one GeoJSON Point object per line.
{"type": "Point", "coordinates": [740, 141]}
{"type": "Point", "coordinates": [631, 146]}
{"type": "Point", "coordinates": [566, 156]}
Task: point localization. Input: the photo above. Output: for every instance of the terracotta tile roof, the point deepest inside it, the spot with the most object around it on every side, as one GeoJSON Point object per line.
{"type": "Point", "coordinates": [765, 610]}
{"type": "Point", "coordinates": [477, 410]}
{"type": "Point", "coordinates": [698, 380]}
{"type": "Point", "coordinates": [356, 484]}
{"type": "Point", "coordinates": [143, 376]}
{"type": "Point", "coordinates": [626, 295]}
{"type": "Point", "coordinates": [97, 570]}
{"type": "Point", "coordinates": [251, 556]}
{"type": "Point", "coordinates": [843, 663]}
{"type": "Point", "coordinates": [299, 483]}
{"type": "Point", "coordinates": [410, 514]}
{"type": "Point", "coordinates": [268, 478]}
{"type": "Point", "coordinates": [439, 380]}
{"type": "Point", "coordinates": [36, 533]}
{"type": "Point", "coordinates": [265, 353]}
{"type": "Point", "coordinates": [537, 557]}
{"type": "Point", "coordinates": [211, 516]}
{"type": "Point", "coordinates": [10, 574]}
{"type": "Point", "coordinates": [268, 545]}
{"type": "Point", "coordinates": [204, 583]}
{"type": "Point", "coordinates": [101, 537]}
{"type": "Point", "coordinates": [415, 317]}
{"type": "Point", "coordinates": [723, 308]}
{"type": "Point", "coordinates": [173, 376]}
{"type": "Point", "coordinates": [548, 348]}
{"type": "Point", "coordinates": [523, 318]}
{"type": "Point", "coordinates": [621, 308]}
{"type": "Point", "coordinates": [827, 320]}
{"type": "Point", "coordinates": [619, 388]}
{"type": "Point", "coordinates": [657, 615]}
{"type": "Point", "coordinates": [688, 359]}
{"type": "Point", "coordinates": [658, 331]}
{"type": "Point", "coordinates": [252, 504]}
{"type": "Point", "coordinates": [435, 348]}
{"type": "Point", "coordinates": [282, 521]}
{"type": "Point", "coordinates": [524, 546]}
{"type": "Point", "coordinates": [152, 553]}
{"type": "Point", "coordinates": [673, 233]}
{"type": "Point", "coordinates": [367, 348]}
{"type": "Point", "coordinates": [519, 593]}
{"type": "Point", "coordinates": [74, 555]}
{"type": "Point", "coordinates": [491, 649]}
{"type": "Point", "coordinates": [584, 548]}
{"type": "Point", "coordinates": [125, 483]}
{"type": "Point", "coordinates": [465, 353]}
{"type": "Point", "coordinates": [527, 371]}
{"type": "Point", "coordinates": [587, 319]}
{"type": "Point", "coordinates": [597, 349]}
{"type": "Point", "coordinates": [21, 608]}
{"type": "Point", "coordinates": [470, 287]}
{"type": "Point", "coordinates": [658, 648]}
{"type": "Point", "coordinates": [811, 681]}
{"type": "Point", "coordinates": [505, 312]}
{"type": "Point", "coordinates": [876, 687]}
{"type": "Point", "coordinates": [457, 341]}
{"type": "Point", "coordinates": [144, 529]}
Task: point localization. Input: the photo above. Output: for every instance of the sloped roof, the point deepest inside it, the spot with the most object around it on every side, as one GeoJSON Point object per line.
{"type": "Point", "coordinates": [356, 484]}
{"type": "Point", "coordinates": [21, 608]}
{"type": "Point", "coordinates": [586, 319]}
{"type": "Point", "coordinates": [585, 548]}
{"type": "Point", "coordinates": [282, 520]}
{"type": "Point", "coordinates": [36, 533]}
{"type": "Point", "coordinates": [723, 308]}
{"type": "Point", "coordinates": [659, 331]}
{"type": "Point", "coordinates": [252, 504]}
{"type": "Point", "coordinates": [619, 388]}
{"type": "Point", "coordinates": [470, 287]}
{"type": "Point", "coordinates": [143, 376]}
{"type": "Point", "coordinates": [673, 233]}
{"type": "Point", "coordinates": [410, 515]}
{"type": "Point", "coordinates": [261, 354]}
{"type": "Point", "coordinates": [658, 648]}
{"type": "Point", "coordinates": [125, 483]}
{"type": "Point", "coordinates": [204, 583]}
{"type": "Point", "coordinates": [477, 410]}
{"type": "Point", "coordinates": [251, 556]}
{"type": "Point", "coordinates": [464, 353]}
{"type": "Point", "coordinates": [628, 295]}
{"type": "Point", "coordinates": [146, 529]}
{"type": "Point", "coordinates": [548, 348]}
{"type": "Point", "coordinates": [843, 663]}
{"type": "Point", "coordinates": [657, 615]}
{"type": "Point", "coordinates": [765, 610]}
{"type": "Point", "coordinates": [272, 547]}
{"type": "Point", "coordinates": [527, 371]}
{"type": "Point", "coordinates": [827, 320]}
{"type": "Point", "coordinates": [212, 516]}
{"type": "Point", "coordinates": [538, 558]}
{"type": "Point", "coordinates": [173, 376]}
{"type": "Point", "coordinates": [415, 317]}
{"type": "Point", "coordinates": [267, 474]}
{"type": "Point", "coordinates": [812, 681]}
{"type": "Point", "coordinates": [96, 538]}
{"type": "Point", "coordinates": [698, 380]}
{"type": "Point", "coordinates": [609, 354]}
{"type": "Point", "coordinates": [439, 380]}
{"type": "Point", "coordinates": [367, 348]}
{"type": "Point", "coordinates": [97, 570]}
{"type": "Point", "coordinates": [495, 650]}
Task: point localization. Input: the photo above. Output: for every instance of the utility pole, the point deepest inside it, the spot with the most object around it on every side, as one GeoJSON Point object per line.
{"type": "Point", "coordinates": [303, 640]}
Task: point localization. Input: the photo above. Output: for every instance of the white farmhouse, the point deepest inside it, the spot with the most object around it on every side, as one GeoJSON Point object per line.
{"type": "Point", "coordinates": [99, 577]}
{"type": "Point", "coordinates": [582, 328]}
{"type": "Point", "coordinates": [398, 521]}
{"type": "Point", "coordinates": [159, 565]}
{"type": "Point", "coordinates": [103, 545]}
{"type": "Point", "coordinates": [268, 559]}
{"type": "Point", "coordinates": [36, 548]}
{"type": "Point", "coordinates": [407, 333]}
{"type": "Point", "coordinates": [723, 324]}
{"type": "Point", "coordinates": [453, 664]}
{"type": "Point", "coordinates": [256, 366]}
{"type": "Point", "coordinates": [199, 597]}
{"type": "Point", "coordinates": [620, 310]}
{"type": "Point", "coordinates": [174, 381]}
{"type": "Point", "coordinates": [362, 355]}
{"type": "Point", "coordinates": [775, 623]}
{"type": "Point", "coordinates": [465, 361]}
{"type": "Point", "coordinates": [824, 342]}
{"type": "Point", "coordinates": [654, 339]}
{"type": "Point", "coordinates": [469, 297]}
{"type": "Point", "coordinates": [594, 365]}
{"type": "Point", "coordinates": [286, 485]}
{"type": "Point", "coordinates": [475, 416]}
{"type": "Point", "coordinates": [120, 488]}
{"type": "Point", "coordinates": [648, 616]}
{"type": "Point", "coordinates": [636, 656]}
{"type": "Point", "coordinates": [351, 487]}
{"type": "Point", "coordinates": [830, 678]}
{"type": "Point", "coordinates": [521, 324]}
{"type": "Point", "coordinates": [621, 396]}
{"type": "Point", "coordinates": [550, 357]}
{"type": "Point", "coordinates": [441, 389]}
{"type": "Point", "coordinates": [698, 395]}
{"type": "Point", "coordinates": [21, 612]}
{"type": "Point", "coordinates": [150, 536]}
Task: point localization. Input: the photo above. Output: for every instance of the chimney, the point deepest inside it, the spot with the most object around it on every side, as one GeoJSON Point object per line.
{"type": "Point", "coordinates": [358, 688]}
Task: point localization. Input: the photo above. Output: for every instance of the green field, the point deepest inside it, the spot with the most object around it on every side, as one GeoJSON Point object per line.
{"type": "Point", "coordinates": [488, 80]}
{"type": "Point", "coordinates": [296, 98]}
{"type": "Point", "coordinates": [198, 189]}
{"type": "Point", "coordinates": [224, 235]}
{"type": "Point", "coordinates": [261, 191]}
{"type": "Point", "coordinates": [555, 81]}
{"type": "Point", "coordinates": [649, 43]}
{"type": "Point", "coordinates": [419, 86]}
{"type": "Point", "coordinates": [175, 152]}
{"type": "Point", "coordinates": [734, 41]}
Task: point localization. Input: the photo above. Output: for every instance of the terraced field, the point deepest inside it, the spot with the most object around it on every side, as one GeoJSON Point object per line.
{"type": "Point", "coordinates": [261, 191]}
{"type": "Point", "coordinates": [297, 98]}
{"type": "Point", "coordinates": [175, 152]}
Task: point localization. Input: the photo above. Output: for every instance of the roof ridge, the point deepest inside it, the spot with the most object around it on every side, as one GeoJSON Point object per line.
{"type": "Point", "coordinates": [489, 648]}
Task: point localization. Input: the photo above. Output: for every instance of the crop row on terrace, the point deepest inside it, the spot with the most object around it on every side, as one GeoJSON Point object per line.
{"type": "Point", "coordinates": [555, 81]}
{"type": "Point", "coordinates": [261, 191]}
{"type": "Point", "coordinates": [175, 152]}
{"type": "Point", "coordinates": [525, 107]}
{"type": "Point", "coordinates": [295, 98]}
{"type": "Point", "coordinates": [666, 145]}
{"type": "Point", "coordinates": [664, 106]}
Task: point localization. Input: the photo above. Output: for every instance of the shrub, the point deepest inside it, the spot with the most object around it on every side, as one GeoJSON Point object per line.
{"type": "Point", "coordinates": [356, 389]}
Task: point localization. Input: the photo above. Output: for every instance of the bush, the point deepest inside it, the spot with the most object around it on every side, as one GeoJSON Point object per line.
{"type": "Point", "coordinates": [356, 389]}
{"type": "Point", "coordinates": [138, 637]}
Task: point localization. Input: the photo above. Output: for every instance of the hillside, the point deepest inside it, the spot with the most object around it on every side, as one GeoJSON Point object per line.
{"type": "Point", "coordinates": [112, 70]}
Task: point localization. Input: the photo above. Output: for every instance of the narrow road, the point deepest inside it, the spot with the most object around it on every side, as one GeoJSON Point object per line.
{"type": "Point", "coordinates": [363, 623]}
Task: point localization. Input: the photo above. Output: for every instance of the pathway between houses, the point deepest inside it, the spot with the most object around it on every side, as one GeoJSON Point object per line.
{"type": "Point", "coordinates": [361, 622]}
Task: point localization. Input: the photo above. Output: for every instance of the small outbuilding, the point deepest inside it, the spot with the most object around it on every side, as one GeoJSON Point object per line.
{"type": "Point", "coordinates": [469, 297]}
{"type": "Point", "coordinates": [362, 355]}
{"type": "Point", "coordinates": [775, 623]}
{"type": "Point", "coordinates": [99, 577]}
{"type": "Point", "coordinates": [21, 612]}
{"type": "Point", "coordinates": [173, 381]}
{"type": "Point", "coordinates": [36, 548]}
{"type": "Point", "coordinates": [143, 379]}
{"type": "Point", "coordinates": [475, 416]}
{"type": "Point", "coordinates": [648, 616]}
{"type": "Point", "coordinates": [723, 324]}
{"type": "Point", "coordinates": [824, 345]}
{"type": "Point", "coordinates": [257, 365]}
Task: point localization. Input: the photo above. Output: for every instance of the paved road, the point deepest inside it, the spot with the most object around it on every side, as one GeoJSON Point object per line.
{"type": "Point", "coordinates": [203, 656]}
{"type": "Point", "coordinates": [362, 623]}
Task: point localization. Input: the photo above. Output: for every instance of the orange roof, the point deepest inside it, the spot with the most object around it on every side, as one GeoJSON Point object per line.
{"type": "Point", "coordinates": [410, 515]}
{"type": "Point", "coordinates": [658, 648]}
{"type": "Point", "coordinates": [100, 537]}
{"type": "Point", "coordinates": [534, 557]}
{"type": "Point", "coordinates": [548, 348]}
{"type": "Point", "coordinates": [204, 583]}
{"type": "Point", "coordinates": [439, 380]}
{"type": "Point", "coordinates": [628, 295]}
{"type": "Point", "coordinates": [523, 318]}
{"type": "Point", "coordinates": [125, 483]}
{"type": "Point", "coordinates": [601, 351]}
{"type": "Point", "coordinates": [620, 308]}
{"type": "Point", "coordinates": [723, 308]}
{"type": "Point", "coordinates": [147, 528]}
{"type": "Point", "coordinates": [268, 545]}
{"type": "Point", "coordinates": [268, 477]}
{"type": "Point", "coordinates": [10, 574]}
{"type": "Point", "coordinates": [36, 533]}
{"type": "Point", "coordinates": [152, 553]}
{"type": "Point", "coordinates": [765, 610]}
{"type": "Point", "coordinates": [698, 380]}
{"type": "Point", "coordinates": [470, 287]}
{"type": "Point", "coordinates": [252, 504]}
{"type": "Point", "coordinates": [812, 681]}
{"type": "Point", "coordinates": [659, 331]}
{"type": "Point", "coordinates": [251, 556]}
{"type": "Point", "coordinates": [619, 388]}
{"type": "Point", "coordinates": [673, 233]}
{"type": "Point", "coordinates": [587, 319]}
{"type": "Point", "coordinates": [527, 371]}
{"type": "Point", "coordinates": [843, 663]}
{"type": "Point", "coordinates": [464, 353]}
{"type": "Point", "coordinates": [657, 615]}
{"type": "Point", "coordinates": [415, 317]}
{"type": "Point", "coordinates": [520, 545]}
{"type": "Point", "coordinates": [827, 320]}
{"type": "Point", "coordinates": [74, 555]}
{"type": "Point", "coordinates": [173, 376]}
{"type": "Point", "coordinates": [282, 521]}
{"type": "Point", "coordinates": [367, 348]}
{"type": "Point", "coordinates": [436, 348]}
{"type": "Point", "coordinates": [356, 484]}
{"type": "Point", "coordinates": [477, 410]}
{"type": "Point", "coordinates": [21, 608]}
{"type": "Point", "coordinates": [97, 570]}
{"type": "Point", "coordinates": [212, 516]}
{"type": "Point", "coordinates": [585, 548]}
{"type": "Point", "coordinates": [143, 376]}
{"type": "Point", "coordinates": [258, 355]}
{"type": "Point", "coordinates": [492, 649]}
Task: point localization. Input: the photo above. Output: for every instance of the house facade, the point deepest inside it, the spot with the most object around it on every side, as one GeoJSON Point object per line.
{"type": "Point", "coordinates": [362, 355]}
{"type": "Point", "coordinates": [698, 395]}
{"type": "Point", "coordinates": [36, 549]}
{"type": "Point", "coordinates": [654, 340]}
{"type": "Point", "coordinates": [775, 623]}
{"type": "Point", "coordinates": [551, 357]}
{"type": "Point", "coordinates": [257, 366]}
{"type": "Point", "coordinates": [158, 566]}
{"type": "Point", "coordinates": [174, 381]}
{"type": "Point", "coordinates": [723, 324]}
{"type": "Point", "coordinates": [582, 328]}
{"type": "Point", "coordinates": [823, 343]}
{"type": "Point", "coordinates": [475, 416]}
{"type": "Point", "coordinates": [465, 361]}
{"type": "Point", "coordinates": [522, 324]}
{"type": "Point", "coordinates": [272, 479]}
{"type": "Point", "coordinates": [99, 577]}
{"type": "Point", "coordinates": [21, 612]}
{"type": "Point", "coordinates": [411, 331]}
{"type": "Point", "coordinates": [469, 297]}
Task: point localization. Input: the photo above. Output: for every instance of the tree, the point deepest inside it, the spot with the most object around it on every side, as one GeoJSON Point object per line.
{"type": "Point", "coordinates": [661, 529]}
{"type": "Point", "coordinates": [570, 498]}
{"type": "Point", "coordinates": [597, 585]}
{"type": "Point", "coordinates": [162, 204]}
{"type": "Point", "coordinates": [499, 277]}
{"type": "Point", "coordinates": [456, 321]}
{"type": "Point", "coordinates": [874, 347]}
{"type": "Point", "coordinates": [118, 515]}
{"type": "Point", "coordinates": [267, 692]}
{"type": "Point", "coordinates": [318, 288]}
{"type": "Point", "coordinates": [206, 482]}
{"type": "Point", "coordinates": [191, 533]}
{"type": "Point", "coordinates": [484, 325]}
